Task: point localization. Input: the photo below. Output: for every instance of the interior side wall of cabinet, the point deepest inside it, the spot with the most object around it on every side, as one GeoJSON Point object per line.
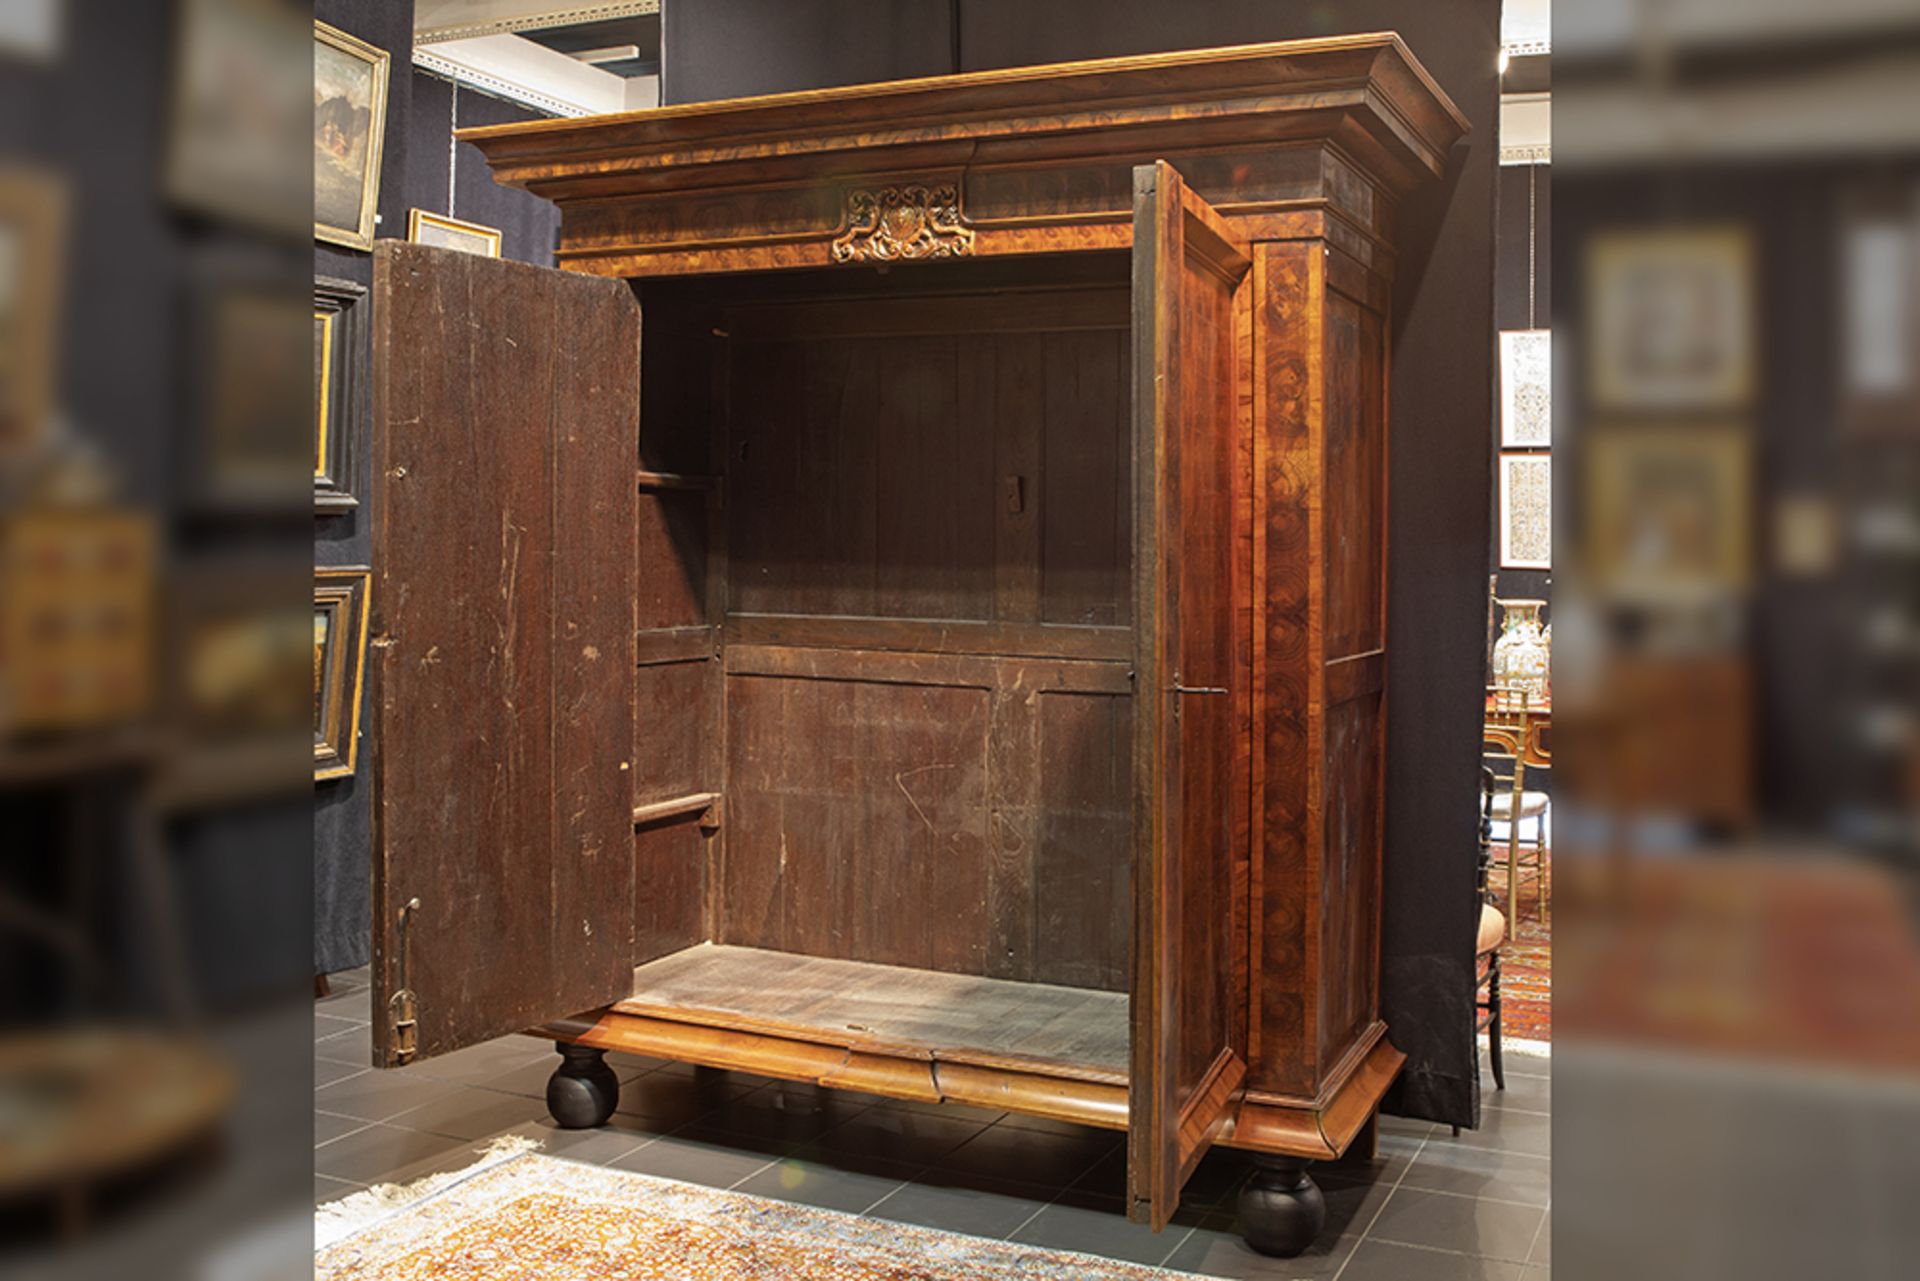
{"type": "Point", "coordinates": [895, 638]}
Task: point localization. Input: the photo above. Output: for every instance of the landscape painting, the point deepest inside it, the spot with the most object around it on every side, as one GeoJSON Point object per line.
{"type": "Point", "coordinates": [349, 120]}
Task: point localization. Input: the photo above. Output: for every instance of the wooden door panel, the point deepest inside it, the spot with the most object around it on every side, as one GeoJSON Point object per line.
{"type": "Point", "coordinates": [506, 419]}
{"type": "Point", "coordinates": [1192, 348]}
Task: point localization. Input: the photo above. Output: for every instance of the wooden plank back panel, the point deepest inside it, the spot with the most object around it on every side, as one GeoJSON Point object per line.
{"type": "Point", "coordinates": [503, 656]}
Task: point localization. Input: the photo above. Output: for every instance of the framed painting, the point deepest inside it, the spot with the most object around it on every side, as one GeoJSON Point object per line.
{"type": "Point", "coordinates": [238, 92]}
{"type": "Point", "coordinates": [338, 384]}
{"type": "Point", "coordinates": [1526, 389]}
{"type": "Point", "coordinates": [250, 367]}
{"type": "Point", "coordinates": [1672, 320]}
{"type": "Point", "coordinates": [427, 228]}
{"type": "Point", "coordinates": [1526, 511]}
{"type": "Point", "coordinates": [1668, 509]}
{"type": "Point", "coordinates": [349, 124]}
{"type": "Point", "coordinates": [339, 667]}
{"type": "Point", "coordinates": [33, 219]}
{"type": "Point", "coordinates": [236, 668]}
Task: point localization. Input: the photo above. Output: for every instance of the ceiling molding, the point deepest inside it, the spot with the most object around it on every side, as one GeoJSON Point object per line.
{"type": "Point", "coordinates": [1532, 153]}
{"type": "Point", "coordinates": [474, 78]}
{"type": "Point", "coordinates": [564, 16]}
{"type": "Point", "coordinates": [1527, 48]}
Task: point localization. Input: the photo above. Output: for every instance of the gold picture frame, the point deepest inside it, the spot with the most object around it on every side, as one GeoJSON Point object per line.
{"type": "Point", "coordinates": [1669, 510]}
{"type": "Point", "coordinates": [424, 227]}
{"type": "Point", "coordinates": [1672, 320]}
{"type": "Point", "coordinates": [324, 322]}
{"type": "Point", "coordinates": [349, 128]}
{"type": "Point", "coordinates": [33, 224]}
{"type": "Point", "coordinates": [339, 667]}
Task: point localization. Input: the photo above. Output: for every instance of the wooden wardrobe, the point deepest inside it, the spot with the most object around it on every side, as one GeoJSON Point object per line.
{"type": "Point", "coordinates": [903, 607]}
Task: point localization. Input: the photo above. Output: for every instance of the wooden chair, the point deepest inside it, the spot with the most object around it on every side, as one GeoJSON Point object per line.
{"type": "Point", "coordinates": [1505, 744]}
{"type": "Point", "coordinates": [1491, 934]}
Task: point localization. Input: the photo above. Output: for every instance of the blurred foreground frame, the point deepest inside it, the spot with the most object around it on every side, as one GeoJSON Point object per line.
{"type": "Point", "coordinates": [155, 818]}
{"type": "Point", "coordinates": [1737, 1002]}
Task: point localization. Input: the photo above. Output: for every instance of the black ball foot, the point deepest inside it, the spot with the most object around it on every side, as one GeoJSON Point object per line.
{"type": "Point", "coordinates": [1281, 1209]}
{"type": "Point", "coordinates": [583, 1091]}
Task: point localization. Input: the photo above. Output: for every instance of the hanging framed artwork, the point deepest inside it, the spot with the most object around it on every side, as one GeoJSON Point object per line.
{"type": "Point", "coordinates": [33, 221]}
{"type": "Point", "coordinates": [338, 390]}
{"type": "Point", "coordinates": [425, 227]}
{"type": "Point", "coordinates": [1669, 509]}
{"type": "Point", "coordinates": [349, 125]}
{"type": "Point", "coordinates": [339, 667]}
{"type": "Point", "coordinates": [1672, 320]}
{"type": "Point", "coordinates": [1526, 389]}
{"type": "Point", "coordinates": [242, 456]}
{"type": "Point", "coordinates": [238, 92]}
{"type": "Point", "coordinates": [1526, 511]}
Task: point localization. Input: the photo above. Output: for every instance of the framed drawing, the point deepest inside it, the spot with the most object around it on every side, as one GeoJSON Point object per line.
{"type": "Point", "coordinates": [1526, 389]}
{"type": "Point", "coordinates": [1526, 511]}
{"type": "Point", "coordinates": [349, 124]}
{"type": "Point", "coordinates": [33, 218]}
{"type": "Point", "coordinates": [428, 228]}
{"type": "Point", "coordinates": [337, 390]}
{"type": "Point", "coordinates": [339, 666]}
{"type": "Point", "coordinates": [244, 454]}
{"type": "Point", "coordinates": [1672, 320]}
{"type": "Point", "coordinates": [1879, 310]}
{"type": "Point", "coordinates": [1668, 510]}
{"type": "Point", "coordinates": [239, 76]}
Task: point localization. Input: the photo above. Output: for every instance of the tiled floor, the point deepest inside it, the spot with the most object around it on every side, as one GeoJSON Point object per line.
{"type": "Point", "coordinates": [1430, 1208]}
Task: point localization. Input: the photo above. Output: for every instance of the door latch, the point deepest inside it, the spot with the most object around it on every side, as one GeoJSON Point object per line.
{"type": "Point", "coordinates": [403, 1007]}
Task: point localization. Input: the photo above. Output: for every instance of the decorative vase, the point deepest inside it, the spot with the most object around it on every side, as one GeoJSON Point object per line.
{"type": "Point", "coordinates": [1522, 656]}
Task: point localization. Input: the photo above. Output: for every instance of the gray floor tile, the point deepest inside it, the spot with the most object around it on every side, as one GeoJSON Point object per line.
{"type": "Point", "coordinates": [1542, 1252]}
{"type": "Point", "coordinates": [669, 1100]}
{"type": "Point", "coordinates": [1392, 1154]}
{"type": "Point", "coordinates": [1384, 1261]}
{"type": "Point", "coordinates": [814, 1183]}
{"type": "Point", "coordinates": [325, 1025]}
{"type": "Point", "coordinates": [463, 1112]}
{"type": "Point", "coordinates": [375, 1095]}
{"type": "Point", "coordinates": [479, 1064]}
{"type": "Point", "coordinates": [1535, 1272]}
{"type": "Point", "coordinates": [356, 1006]}
{"type": "Point", "coordinates": [1102, 1230]}
{"type": "Point", "coordinates": [1511, 1131]}
{"type": "Point", "coordinates": [351, 1046]}
{"type": "Point", "coordinates": [327, 1072]}
{"type": "Point", "coordinates": [1445, 1166]}
{"type": "Point", "coordinates": [327, 1127]}
{"type": "Point", "coordinates": [792, 1114]}
{"type": "Point", "coordinates": [1405, 1126]}
{"type": "Point", "coordinates": [326, 1188]}
{"type": "Point", "coordinates": [1030, 1156]}
{"type": "Point", "coordinates": [1438, 1220]}
{"type": "Point", "coordinates": [1215, 1249]}
{"type": "Point", "coordinates": [896, 1135]}
{"type": "Point", "coordinates": [600, 1146]}
{"type": "Point", "coordinates": [977, 1207]}
{"type": "Point", "coordinates": [383, 1154]}
{"type": "Point", "coordinates": [710, 1164]}
{"type": "Point", "coordinates": [1525, 1093]}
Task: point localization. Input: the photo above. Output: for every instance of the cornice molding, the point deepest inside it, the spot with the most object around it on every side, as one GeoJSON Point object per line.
{"type": "Point", "coordinates": [536, 22]}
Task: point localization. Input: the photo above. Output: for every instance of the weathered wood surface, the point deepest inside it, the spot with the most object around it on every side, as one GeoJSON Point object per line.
{"type": "Point", "coordinates": [503, 641]}
{"type": "Point", "coordinates": [1190, 861]}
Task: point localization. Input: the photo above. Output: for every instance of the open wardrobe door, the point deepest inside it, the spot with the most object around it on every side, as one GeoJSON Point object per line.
{"type": "Point", "coordinates": [506, 419]}
{"type": "Point", "coordinates": [1191, 802]}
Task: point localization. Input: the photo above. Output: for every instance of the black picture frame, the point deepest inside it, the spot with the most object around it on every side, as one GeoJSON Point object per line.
{"type": "Point", "coordinates": [340, 384]}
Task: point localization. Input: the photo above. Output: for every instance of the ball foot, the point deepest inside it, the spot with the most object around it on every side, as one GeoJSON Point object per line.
{"type": "Point", "coordinates": [1281, 1209]}
{"type": "Point", "coordinates": [583, 1091]}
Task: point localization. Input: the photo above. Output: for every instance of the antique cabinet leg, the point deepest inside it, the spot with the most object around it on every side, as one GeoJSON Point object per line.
{"type": "Point", "coordinates": [1281, 1209]}
{"type": "Point", "coordinates": [583, 1091]}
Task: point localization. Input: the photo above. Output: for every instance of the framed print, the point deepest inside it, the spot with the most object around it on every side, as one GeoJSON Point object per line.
{"type": "Point", "coordinates": [349, 123]}
{"type": "Point", "coordinates": [1526, 389]}
{"type": "Point", "coordinates": [33, 217]}
{"type": "Point", "coordinates": [1526, 511]}
{"type": "Point", "coordinates": [339, 667]}
{"type": "Point", "coordinates": [239, 76]}
{"type": "Point", "coordinates": [1668, 510]}
{"type": "Point", "coordinates": [427, 228]}
{"type": "Point", "coordinates": [337, 389]}
{"type": "Point", "coordinates": [1878, 274]}
{"type": "Point", "coordinates": [1672, 320]}
{"type": "Point", "coordinates": [243, 455]}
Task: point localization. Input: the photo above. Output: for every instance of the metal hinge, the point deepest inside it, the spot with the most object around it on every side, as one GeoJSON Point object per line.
{"type": "Point", "coordinates": [403, 1007]}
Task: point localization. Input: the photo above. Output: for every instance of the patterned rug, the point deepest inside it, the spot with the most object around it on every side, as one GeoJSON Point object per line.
{"type": "Point", "coordinates": [1526, 962]}
{"type": "Point", "coordinates": [535, 1216]}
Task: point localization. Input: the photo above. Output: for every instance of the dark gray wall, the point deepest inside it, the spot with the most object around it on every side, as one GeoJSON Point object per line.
{"type": "Point", "coordinates": [422, 112]}
{"type": "Point", "coordinates": [1443, 396]}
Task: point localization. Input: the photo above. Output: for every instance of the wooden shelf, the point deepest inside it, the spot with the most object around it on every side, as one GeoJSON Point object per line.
{"type": "Point", "coordinates": [676, 480]}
